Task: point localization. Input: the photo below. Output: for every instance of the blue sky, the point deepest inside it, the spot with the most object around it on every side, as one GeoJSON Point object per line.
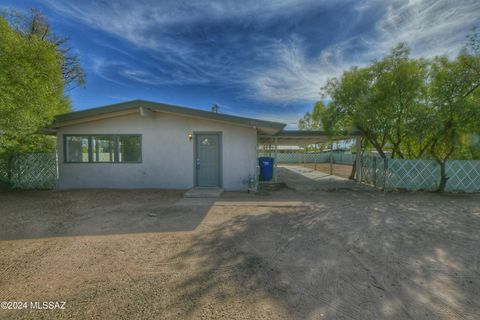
{"type": "Point", "coordinates": [265, 59]}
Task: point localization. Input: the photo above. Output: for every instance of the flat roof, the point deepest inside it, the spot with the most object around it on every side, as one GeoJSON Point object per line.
{"type": "Point", "coordinates": [263, 126]}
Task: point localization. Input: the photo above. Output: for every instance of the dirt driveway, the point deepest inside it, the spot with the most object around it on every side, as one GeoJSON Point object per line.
{"type": "Point", "coordinates": [291, 255]}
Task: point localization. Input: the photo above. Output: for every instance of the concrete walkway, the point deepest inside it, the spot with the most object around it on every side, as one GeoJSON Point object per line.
{"type": "Point", "coordinates": [203, 192]}
{"type": "Point", "coordinates": [305, 179]}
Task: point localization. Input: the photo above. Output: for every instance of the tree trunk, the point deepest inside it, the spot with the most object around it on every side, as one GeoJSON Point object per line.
{"type": "Point", "coordinates": [443, 176]}
{"type": "Point", "coordinates": [379, 150]}
{"type": "Point", "coordinates": [354, 169]}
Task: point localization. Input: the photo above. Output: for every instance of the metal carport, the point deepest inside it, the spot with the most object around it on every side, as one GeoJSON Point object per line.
{"type": "Point", "coordinates": [308, 137]}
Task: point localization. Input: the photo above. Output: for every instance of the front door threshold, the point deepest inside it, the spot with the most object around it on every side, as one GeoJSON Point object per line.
{"type": "Point", "coordinates": [203, 192]}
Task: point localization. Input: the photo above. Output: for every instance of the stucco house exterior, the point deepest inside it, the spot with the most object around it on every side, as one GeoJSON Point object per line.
{"type": "Point", "coordinates": [141, 144]}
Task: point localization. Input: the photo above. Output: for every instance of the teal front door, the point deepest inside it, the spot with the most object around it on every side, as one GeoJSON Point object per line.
{"type": "Point", "coordinates": [207, 162]}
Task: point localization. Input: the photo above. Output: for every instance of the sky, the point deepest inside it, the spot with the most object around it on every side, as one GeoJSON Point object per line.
{"type": "Point", "coordinates": [261, 59]}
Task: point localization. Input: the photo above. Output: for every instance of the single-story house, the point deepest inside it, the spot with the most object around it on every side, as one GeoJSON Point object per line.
{"type": "Point", "coordinates": [141, 144]}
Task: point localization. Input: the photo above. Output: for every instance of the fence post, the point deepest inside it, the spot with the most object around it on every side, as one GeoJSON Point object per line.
{"type": "Point", "coordinates": [358, 159]}
{"type": "Point", "coordinates": [331, 158]}
{"type": "Point", "coordinates": [385, 168]}
{"type": "Point", "coordinates": [374, 171]}
{"type": "Point", "coordinates": [11, 164]}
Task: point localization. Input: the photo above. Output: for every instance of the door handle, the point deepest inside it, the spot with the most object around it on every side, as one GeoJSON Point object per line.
{"type": "Point", "coordinates": [198, 163]}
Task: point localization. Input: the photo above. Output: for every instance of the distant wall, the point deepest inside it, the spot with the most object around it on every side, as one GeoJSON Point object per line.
{"type": "Point", "coordinates": [322, 157]}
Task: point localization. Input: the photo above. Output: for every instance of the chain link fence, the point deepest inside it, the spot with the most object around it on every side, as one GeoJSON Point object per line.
{"type": "Point", "coordinates": [402, 174]}
{"type": "Point", "coordinates": [29, 171]}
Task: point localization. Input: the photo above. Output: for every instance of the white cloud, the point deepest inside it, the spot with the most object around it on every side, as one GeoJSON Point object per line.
{"type": "Point", "coordinates": [432, 27]}
{"type": "Point", "coordinates": [294, 77]}
{"type": "Point", "coordinates": [286, 71]}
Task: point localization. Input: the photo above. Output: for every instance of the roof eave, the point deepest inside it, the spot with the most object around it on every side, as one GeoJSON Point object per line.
{"type": "Point", "coordinates": [267, 127]}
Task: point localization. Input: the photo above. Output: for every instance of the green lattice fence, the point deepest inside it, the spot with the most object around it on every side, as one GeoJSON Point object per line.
{"type": "Point", "coordinates": [391, 174]}
{"type": "Point", "coordinates": [29, 171]}
{"type": "Point", "coordinates": [463, 175]}
{"type": "Point", "coordinates": [373, 171]}
{"type": "Point", "coordinates": [4, 172]}
{"type": "Point", "coordinates": [412, 174]}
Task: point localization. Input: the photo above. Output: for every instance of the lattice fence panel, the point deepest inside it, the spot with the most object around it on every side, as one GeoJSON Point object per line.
{"type": "Point", "coordinates": [4, 172]}
{"type": "Point", "coordinates": [300, 157]}
{"type": "Point", "coordinates": [289, 157]}
{"type": "Point", "coordinates": [343, 158]}
{"type": "Point", "coordinates": [34, 171]}
{"type": "Point", "coordinates": [412, 174]}
{"type": "Point", "coordinates": [373, 171]}
{"type": "Point", "coordinates": [464, 175]}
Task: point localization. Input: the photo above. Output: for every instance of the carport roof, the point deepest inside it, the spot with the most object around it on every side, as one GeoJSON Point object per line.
{"type": "Point", "coordinates": [136, 106]}
{"type": "Point", "coordinates": [304, 137]}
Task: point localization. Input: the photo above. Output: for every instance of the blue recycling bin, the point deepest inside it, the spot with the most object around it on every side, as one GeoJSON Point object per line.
{"type": "Point", "coordinates": [266, 168]}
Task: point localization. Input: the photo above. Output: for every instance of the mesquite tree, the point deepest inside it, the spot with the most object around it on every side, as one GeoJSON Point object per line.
{"type": "Point", "coordinates": [408, 108]}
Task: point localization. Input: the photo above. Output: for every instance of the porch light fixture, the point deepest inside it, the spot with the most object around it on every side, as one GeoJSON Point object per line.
{"type": "Point", "coordinates": [190, 136]}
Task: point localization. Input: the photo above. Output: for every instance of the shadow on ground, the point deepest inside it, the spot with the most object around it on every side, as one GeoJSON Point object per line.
{"type": "Point", "coordinates": [387, 260]}
{"type": "Point", "coordinates": [37, 214]}
{"type": "Point", "coordinates": [321, 255]}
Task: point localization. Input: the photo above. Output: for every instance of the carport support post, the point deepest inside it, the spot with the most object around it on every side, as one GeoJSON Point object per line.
{"type": "Point", "coordinates": [304, 155]}
{"type": "Point", "coordinates": [276, 163]}
{"type": "Point", "coordinates": [358, 160]}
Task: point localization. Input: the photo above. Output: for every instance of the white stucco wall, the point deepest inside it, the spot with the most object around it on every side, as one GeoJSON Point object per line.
{"type": "Point", "coordinates": [167, 154]}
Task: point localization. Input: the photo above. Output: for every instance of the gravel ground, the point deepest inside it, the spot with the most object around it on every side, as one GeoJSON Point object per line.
{"type": "Point", "coordinates": [291, 255]}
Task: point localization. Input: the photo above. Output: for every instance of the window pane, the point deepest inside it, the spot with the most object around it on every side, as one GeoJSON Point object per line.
{"type": "Point", "coordinates": [129, 149]}
{"type": "Point", "coordinates": [76, 148]}
{"type": "Point", "coordinates": [103, 149]}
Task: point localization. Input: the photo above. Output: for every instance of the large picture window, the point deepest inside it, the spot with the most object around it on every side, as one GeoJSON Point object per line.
{"type": "Point", "coordinates": [103, 148]}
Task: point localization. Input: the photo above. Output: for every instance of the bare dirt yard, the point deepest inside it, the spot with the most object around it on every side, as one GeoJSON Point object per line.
{"type": "Point", "coordinates": [290, 255]}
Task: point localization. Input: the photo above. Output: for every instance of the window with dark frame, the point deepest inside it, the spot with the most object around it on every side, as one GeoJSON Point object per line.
{"type": "Point", "coordinates": [103, 148]}
{"type": "Point", "coordinates": [107, 148]}
{"type": "Point", "coordinates": [77, 148]}
{"type": "Point", "coordinates": [129, 148]}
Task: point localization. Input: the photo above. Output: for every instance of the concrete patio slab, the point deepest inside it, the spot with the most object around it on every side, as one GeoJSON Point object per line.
{"type": "Point", "coordinates": [261, 203]}
{"type": "Point", "coordinates": [203, 192]}
{"type": "Point", "coordinates": [305, 179]}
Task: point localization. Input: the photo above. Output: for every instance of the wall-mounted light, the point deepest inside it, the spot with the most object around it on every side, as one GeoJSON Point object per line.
{"type": "Point", "coordinates": [190, 136]}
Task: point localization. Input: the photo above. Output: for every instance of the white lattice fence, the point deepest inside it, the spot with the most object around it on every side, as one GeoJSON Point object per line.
{"type": "Point", "coordinates": [34, 171]}
{"type": "Point", "coordinates": [390, 174]}
{"type": "Point", "coordinates": [289, 157]}
{"type": "Point", "coordinates": [300, 157]}
{"type": "Point", "coordinates": [412, 174]}
{"type": "Point", "coordinates": [463, 175]}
